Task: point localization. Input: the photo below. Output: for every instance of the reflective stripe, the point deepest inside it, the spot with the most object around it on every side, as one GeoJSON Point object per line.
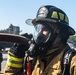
{"type": "Point", "coordinates": [15, 58]}
{"type": "Point", "coordinates": [54, 15]}
{"type": "Point", "coordinates": [14, 65]}
{"type": "Point", "coordinates": [61, 16]}
{"type": "Point", "coordinates": [15, 62]}
{"type": "Point", "coordinates": [66, 19]}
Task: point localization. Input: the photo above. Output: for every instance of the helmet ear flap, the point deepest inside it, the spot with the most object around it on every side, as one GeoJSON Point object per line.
{"type": "Point", "coordinates": [64, 33]}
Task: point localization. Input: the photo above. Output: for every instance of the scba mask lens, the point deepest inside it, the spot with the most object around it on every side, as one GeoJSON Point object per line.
{"type": "Point", "coordinates": [42, 34]}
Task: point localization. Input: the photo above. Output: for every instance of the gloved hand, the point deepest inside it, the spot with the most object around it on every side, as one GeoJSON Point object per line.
{"type": "Point", "coordinates": [19, 49]}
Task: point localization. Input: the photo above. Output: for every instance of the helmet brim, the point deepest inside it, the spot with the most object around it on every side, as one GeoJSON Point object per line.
{"type": "Point", "coordinates": [34, 21]}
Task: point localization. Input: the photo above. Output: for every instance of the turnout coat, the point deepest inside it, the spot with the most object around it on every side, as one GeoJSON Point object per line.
{"type": "Point", "coordinates": [50, 64]}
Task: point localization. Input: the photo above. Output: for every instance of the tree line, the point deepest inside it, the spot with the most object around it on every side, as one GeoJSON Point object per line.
{"type": "Point", "coordinates": [72, 40]}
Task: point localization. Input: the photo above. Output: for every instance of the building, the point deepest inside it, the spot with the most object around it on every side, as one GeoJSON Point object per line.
{"type": "Point", "coordinates": [12, 30]}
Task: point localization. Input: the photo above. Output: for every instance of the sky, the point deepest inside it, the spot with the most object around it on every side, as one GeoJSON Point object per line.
{"type": "Point", "coordinates": [17, 11]}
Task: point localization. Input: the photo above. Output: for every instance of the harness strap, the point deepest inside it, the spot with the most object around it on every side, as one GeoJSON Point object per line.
{"type": "Point", "coordinates": [66, 61]}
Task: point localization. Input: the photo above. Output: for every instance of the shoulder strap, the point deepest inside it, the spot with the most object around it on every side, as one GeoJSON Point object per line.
{"type": "Point", "coordinates": [67, 56]}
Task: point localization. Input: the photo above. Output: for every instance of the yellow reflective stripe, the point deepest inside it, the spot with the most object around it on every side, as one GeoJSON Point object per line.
{"type": "Point", "coordinates": [54, 15]}
{"type": "Point", "coordinates": [61, 16]}
{"type": "Point", "coordinates": [15, 62]}
{"type": "Point", "coordinates": [66, 19]}
{"type": "Point", "coordinates": [15, 58]}
{"type": "Point", "coordinates": [14, 65]}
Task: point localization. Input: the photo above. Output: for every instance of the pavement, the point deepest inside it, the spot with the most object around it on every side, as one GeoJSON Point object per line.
{"type": "Point", "coordinates": [4, 62]}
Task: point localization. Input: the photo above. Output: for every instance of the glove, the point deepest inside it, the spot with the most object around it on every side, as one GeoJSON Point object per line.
{"type": "Point", "coordinates": [19, 49]}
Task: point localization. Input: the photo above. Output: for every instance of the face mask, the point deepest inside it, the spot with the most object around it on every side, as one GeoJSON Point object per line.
{"type": "Point", "coordinates": [42, 34]}
{"type": "Point", "coordinates": [42, 40]}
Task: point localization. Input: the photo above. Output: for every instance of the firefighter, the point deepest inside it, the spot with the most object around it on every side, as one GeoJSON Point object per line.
{"type": "Point", "coordinates": [47, 47]}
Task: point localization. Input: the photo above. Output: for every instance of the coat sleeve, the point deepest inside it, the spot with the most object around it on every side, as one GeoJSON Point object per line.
{"type": "Point", "coordinates": [14, 65]}
{"type": "Point", "coordinates": [73, 66]}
